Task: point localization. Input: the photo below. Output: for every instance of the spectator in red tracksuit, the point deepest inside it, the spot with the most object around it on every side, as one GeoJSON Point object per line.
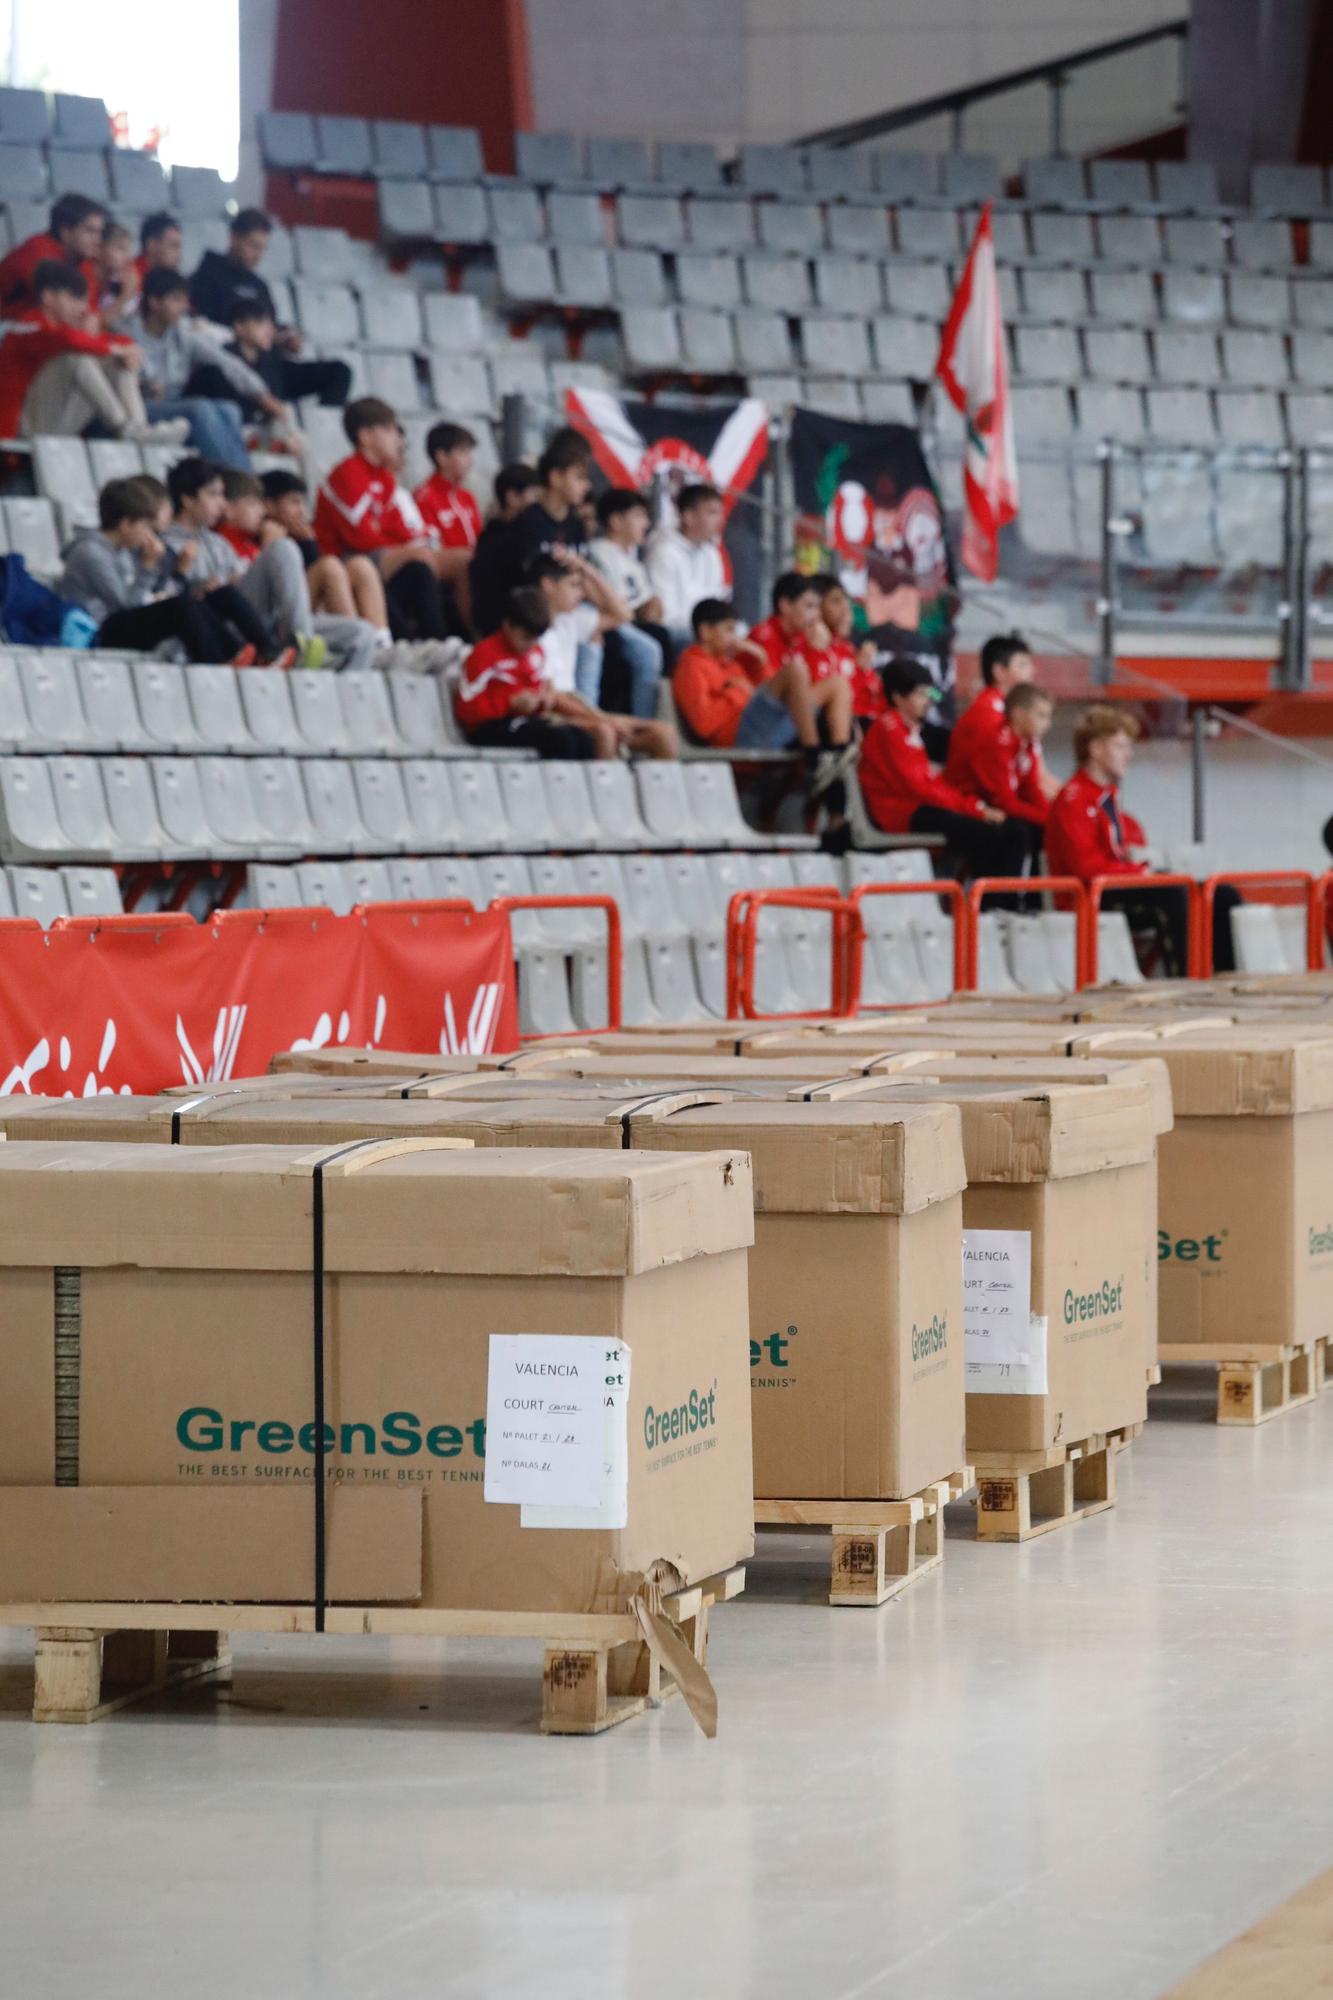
{"type": "Point", "coordinates": [57, 376]}
{"type": "Point", "coordinates": [1003, 767]}
{"type": "Point", "coordinates": [73, 237]}
{"type": "Point", "coordinates": [904, 794]}
{"type": "Point", "coordinates": [1005, 663]}
{"type": "Point", "coordinates": [1089, 835]}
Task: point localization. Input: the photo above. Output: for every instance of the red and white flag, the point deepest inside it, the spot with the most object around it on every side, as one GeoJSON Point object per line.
{"type": "Point", "coordinates": [975, 374]}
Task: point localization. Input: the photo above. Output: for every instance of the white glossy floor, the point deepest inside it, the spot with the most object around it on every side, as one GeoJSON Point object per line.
{"type": "Point", "coordinates": [1076, 1767]}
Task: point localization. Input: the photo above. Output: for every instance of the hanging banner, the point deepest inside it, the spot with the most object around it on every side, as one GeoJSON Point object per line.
{"type": "Point", "coordinates": [132, 1005]}
{"type": "Point", "coordinates": [867, 511]}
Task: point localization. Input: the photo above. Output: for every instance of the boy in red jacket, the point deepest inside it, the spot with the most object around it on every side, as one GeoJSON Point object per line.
{"type": "Point", "coordinates": [56, 376]}
{"type": "Point", "coordinates": [1089, 835]}
{"type": "Point", "coordinates": [74, 236]}
{"type": "Point", "coordinates": [903, 794]}
{"type": "Point", "coordinates": [363, 509]}
{"type": "Point", "coordinates": [1004, 768]}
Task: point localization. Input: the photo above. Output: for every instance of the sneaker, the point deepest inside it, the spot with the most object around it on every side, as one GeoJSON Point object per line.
{"type": "Point", "coordinates": [311, 650]}
{"type": "Point", "coordinates": [288, 658]}
{"type": "Point", "coordinates": [831, 765]}
{"type": "Point", "coordinates": [245, 658]}
{"type": "Point", "coordinates": [173, 431]}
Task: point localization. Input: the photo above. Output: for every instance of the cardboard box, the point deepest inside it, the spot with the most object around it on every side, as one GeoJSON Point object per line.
{"type": "Point", "coordinates": [195, 1370]}
{"type": "Point", "coordinates": [1245, 1222]}
{"type": "Point", "coordinates": [951, 1066]}
{"type": "Point", "coordinates": [1073, 1168]}
{"type": "Point", "coordinates": [856, 1357]}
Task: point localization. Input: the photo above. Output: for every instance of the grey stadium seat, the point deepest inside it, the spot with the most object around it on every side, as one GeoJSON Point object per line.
{"type": "Point", "coordinates": [343, 146]}
{"type": "Point", "coordinates": [928, 233]}
{"type": "Point", "coordinates": [273, 885]}
{"type": "Point", "coordinates": [30, 525]}
{"type": "Point", "coordinates": [838, 172]}
{"type": "Point", "coordinates": [23, 175]}
{"type": "Point", "coordinates": [1047, 354]}
{"type": "Point", "coordinates": [383, 803]}
{"type": "Point", "coordinates": [410, 881]}
{"type": "Point", "coordinates": [25, 117]}
{"type": "Point", "coordinates": [1194, 297]}
{"type": "Point", "coordinates": [368, 882]}
{"type": "Point", "coordinates": [417, 714]}
{"type": "Point", "coordinates": [334, 811]}
{"type": "Point", "coordinates": [794, 226]}
{"type": "Point", "coordinates": [574, 218]}
{"type": "Point", "coordinates": [164, 706]}
{"type": "Point", "coordinates": [515, 214]}
{"type": "Point", "coordinates": [1046, 524]}
{"type": "Point", "coordinates": [287, 139]}
{"type": "Point", "coordinates": [1133, 240]}
{"type": "Point", "coordinates": [525, 805]}
{"type": "Point", "coordinates": [1125, 297]}
{"type": "Point", "coordinates": [780, 283]}
{"type": "Point", "coordinates": [280, 803]}
{"type": "Point", "coordinates": [81, 121]}
{"type": "Point", "coordinates": [833, 396]}
{"type": "Point", "coordinates": [324, 254]}
{"type": "Point", "coordinates": [215, 703]}
{"type": "Point", "coordinates": [772, 169]}
{"type": "Point", "coordinates": [1061, 238]}
{"type": "Point", "coordinates": [198, 191]}
{"type": "Point", "coordinates": [835, 346]}
{"type": "Point", "coordinates": [368, 714]}
{"type": "Point", "coordinates": [548, 158]}
{"type": "Point", "coordinates": [1178, 526]}
{"type": "Point", "coordinates": [691, 164]}
{"type": "Point", "coordinates": [887, 402]}
{"type": "Point", "coordinates": [1186, 185]}
{"type": "Point", "coordinates": [481, 806]}
{"type": "Point", "coordinates": [1259, 301]}
{"type": "Point", "coordinates": [459, 383]}
{"type": "Point", "coordinates": [1106, 410]}
{"type": "Point", "coordinates": [319, 713]}
{"type": "Point", "coordinates": [1055, 183]}
{"type": "Point", "coordinates": [1185, 355]}
{"type": "Point", "coordinates": [1117, 354]}
{"type": "Point", "coordinates": [460, 212]}
{"type": "Point", "coordinates": [720, 223]}
{"type": "Point", "coordinates": [650, 221]}
{"type": "Point", "coordinates": [391, 316]}
{"type": "Point", "coordinates": [1194, 240]}
{"type": "Point", "coordinates": [406, 209]}
{"type": "Point", "coordinates": [1057, 297]}
{"type": "Point", "coordinates": [618, 163]}
{"type": "Point", "coordinates": [180, 807]}
{"type": "Point", "coordinates": [1254, 357]}
{"type": "Point", "coordinates": [763, 342]}
{"type": "Point", "coordinates": [138, 184]}
{"type": "Point", "coordinates": [1181, 416]}
{"type": "Point", "coordinates": [1009, 228]}
{"type": "Point", "coordinates": [323, 885]}
{"type": "Point", "coordinates": [431, 807]}
{"type": "Point", "coordinates": [50, 694]}
{"type": "Point", "coordinates": [848, 285]}
{"type": "Point", "coordinates": [452, 321]}
{"type": "Point", "coordinates": [327, 313]}
{"type": "Point", "coordinates": [399, 148]}
{"type": "Point", "coordinates": [266, 703]}
{"type": "Point", "coordinates": [570, 818]}
{"type": "Point", "coordinates": [651, 337]}
{"type": "Point", "coordinates": [520, 373]}
{"type": "Point", "coordinates": [707, 341]}
{"type": "Point", "coordinates": [638, 277]}
{"type": "Point", "coordinates": [454, 877]}
{"type": "Point", "coordinates": [1287, 189]}
{"type": "Point", "coordinates": [1261, 245]}
{"type": "Point", "coordinates": [904, 348]}
{"type": "Point", "coordinates": [861, 229]}
{"type": "Point", "coordinates": [1041, 412]}
{"type": "Point", "coordinates": [232, 810]}
{"type": "Point", "coordinates": [1120, 183]}
{"type": "Point", "coordinates": [107, 694]}
{"type": "Point", "coordinates": [921, 290]}
{"type": "Point", "coordinates": [969, 177]}
{"type": "Point", "coordinates": [91, 892]}
{"type": "Point", "coordinates": [62, 471]}
{"type": "Point", "coordinates": [615, 806]}
{"type": "Point", "coordinates": [1312, 358]}
{"type": "Point", "coordinates": [37, 893]}
{"type": "Point", "coordinates": [708, 279]}
{"type": "Point", "coordinates": [1252, 416]}
{"type": "Point", "coordinates": [525, 271]}
{"type": "Point", "coordinates": [454, 153]}
{"type": "Point", "coordinates": [904, 177]}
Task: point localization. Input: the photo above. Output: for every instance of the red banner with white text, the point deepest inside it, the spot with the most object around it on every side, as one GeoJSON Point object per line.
{"type": "Point", "coordinates": [134, 1004]}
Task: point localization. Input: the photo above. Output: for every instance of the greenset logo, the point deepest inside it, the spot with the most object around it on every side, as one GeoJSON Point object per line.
{"type": "Point", "coordinates": [697, 1413]}
{"type": "Point", "coordinates": [772, 1350]}
{"type": "Point", "coordinates": [1100, 1303]}
{"type": "Point", "coordinates": [1194, 1249]}
{"type": "Point", "coordinates": [1321, 1242]}
{"type": "Point", "coordinates": [932, 1339]}
{"type": "Point", "coordinates": [399, 1434]}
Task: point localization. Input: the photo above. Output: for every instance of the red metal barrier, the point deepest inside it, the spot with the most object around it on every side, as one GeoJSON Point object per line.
{"type": "Point", "coordinates": [963, 941]}
{"type": "Point", "coordinates": [1014, 885]}
{"type": "Point", "coordinates": [742, 932]}
{"type": "Point", "coordinates": [1136, 885]}
{"type": "Point", "coordinates": [614, 947]}
{"type": "Point", "coordinates": [1313, 893]}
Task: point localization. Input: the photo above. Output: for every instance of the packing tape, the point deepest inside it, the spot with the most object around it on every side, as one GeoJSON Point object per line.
{"type": "Point", "coordinates": [666, 1643]}
{"type": "Point", "coordinates": [664, 1102]}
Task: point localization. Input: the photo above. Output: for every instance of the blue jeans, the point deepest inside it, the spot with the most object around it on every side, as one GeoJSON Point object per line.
{"type": "Point", "coordinates": [643, 657]}
{"type": "Point", "coordinates": [588, 671]}
{"type": "Point", "coordinates": [215, 428]}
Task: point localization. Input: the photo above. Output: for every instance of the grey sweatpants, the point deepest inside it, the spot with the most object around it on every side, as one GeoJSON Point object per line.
{"type": "Point", "coordinates": [65, 396]}
{"type": "Point", "coordinates": [275, 583]}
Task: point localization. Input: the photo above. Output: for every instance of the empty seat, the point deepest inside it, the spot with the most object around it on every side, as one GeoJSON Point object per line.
{"type": "Point", "coordinates": [1185, 355]}
{"type": "Point", "coordinates": [691, 164]}
{"type": "Point", "coordinates": [232, 812]}
{"type": "Point", "coordinates": [1261, 246]}
{"type": "Point", "coordinates": [638, 277]}
{"type": "Point", "coordinates": [198, 191]}
{"type": "Point", "coordinates": [431, 807]}
{"type": "Point", "coordinates": [904, 348]}
{"type": "Point", "coordinates": [794, 226]}
{"type": "Point", "coordinates": [920, 290]}
{"type": "Point", "coordinates": [410, 880]}
{"type": "Point", "coordinates": [31, 528]}
{"type": "Point", "coordinates": [833, 396]}
{"type": "Point", "coordinates": [780, 283]}
{"type": "Point", "coordinates": [615, 807]}
{"type": "Point", "coordinates": [460, 212]}
{"type": "Point", "coordinates": [1194, 297]}
{"type": "Point", "coordinates": [835, 346]}
{"type": "Point", "coordinates": [887, 402]}
{"type": "Point", "coordinates": [928, 233]}
{"type": "Point", "coordinates": [1310, 418]}
{"type": "Point", "coordinates": [1047, 354]}
{"type": "Point", "coordinates": [651, 337]}
{"type": "Point", "coordinates": [713, 814]}
{"type": "Point", "coordinates": [1180, 416]}
{"type": "Point", "coordinates": [399, 148]}
{"type": "Point", "coordinates": [570, 818]}
{"type": "Point", "coordinates": [81, 121]}
{"type": "Point", "coordinates": [1124, 297]}
{"type": "Point", "coordinates": [1055, 296]}
{"type": "Point", "coordinates": [848, 285]}
{"type": "Point", "coordinates": [459, 383]}
{"type": "Point", "coordinates": [1185, 184]}
{"type": "Point", "coordinates": [1120, 183]}
{"type": "Point", "coordinates": [1009, 229]}
{"type": "Point", "coordinates": [383, 803]}
{"type": "Point", "coordinates": [280, 803]}
{"type": "Point", "coordinates": [1178, 525]}
{"type": "Point", "coordinates": [1047, 524]}
{"type": "Point", "coordinates": [837, 172]}
{"type": "Point", "coordinates": [164, 705]}
{"type": "Point", "coordinates": [772, 169]}
{"type": "Point", "coordinates": [106, 694]}
{"type": "Point", "coordinates": [707, 341]}
{"type": "Point", "coordinates": [324, 885]}
{"type": "Point", "coordinates": [23, 175]}
{"type": "Point", "coordinates": [131, 802]}
{"type": "Point", "coordinates": [342, 146]}
{"type": "Point", "coordinates": [319, 713]}
{"type": "Point", "coordinates": [77, 171]}
{"type": "Point", "coordinates": [1259, 301]}
{"type": "Point", "coordinates": [582, 276]}
{"type": "Point", "coordinates": [554, 875]}
{"type": "Point", "coordinates": [969, 177]}
{"type": "Point", "coordinates": [1129, 239]}
{"type": "Point", "coordinates": [1312, 358]}
{"type": "Point", "coordinates": [904, 176]}
{"type": "Point", "coordinates": [1287, 189]}
{"type": "Point", "coordinates": [215, 705]}
{"type": "Point", "coordinates": [548, 158]}
{"type": "Point", "coordinates": [1055, 183]}
{"type": "Point", "coordinates": [368, 714]}
{"type": "Point", "coordinates": [418, 718]}
{"type": "Point", "coordinates": [391, 317]}
{"type": "Point", "coordinates": [650, 221]}
{"type": "Point", "coordinates": [273, 885]}
{"type": "Point", "coordinates": [1194, 240]}
{"type": "Point", "coordinates": [406, 209]}
{"type": "Point", "coordinates": [574, 218]}
{"type": "Point", "coordinates": [613, 163]}
{"type": "Point", "coordinates": [720, 223]}
{"type": "Point", "coordinates": [763, 342]}
{"type": "Point", "coordinates": [1254, 357]}
{"type": "Point", "coordinates": [327, 312]}
{"type": "Point", "coordinates": [861, 229]}
{"type": "Point", "coordinates": [180, 807]}
{"type": "Point", "coordinates": [1041, 412]}
{"type": "Point", "coordinates": [331, 798]}
{"type": "Point", "coordinates": [91, 892]}
{"type": "Point", "coordinates": [368, 882]}
{"type": "Point", "coordinates": [454, 152]}
{"type": "Point", "coordinates": [481, 807]}
{"type": "Point", "coordinates": [1117, 354]}
{"type": "Point", "coordinates": [515, 213]}
{"type": "Point", "coordinates": [1061, 238]}
{"type": "Point", "coordinates": [138, 183]}
{"type": "Point", "coordinates": [1107, 410]}
{"type": "Point", "coordinates": [525, 805]}
{"type": "Point", "coordinates": [35, 893]}
{"type": "Point", "coordinates": [50, 699]}
{"type": "Point", "coordinates": [25, 117]}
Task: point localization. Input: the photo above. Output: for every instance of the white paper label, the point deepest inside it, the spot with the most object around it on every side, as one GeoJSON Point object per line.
{"type": "Point", "coordinates": [1004, 1342]}
{"type": "Point", "coordinates": [613, 1509]}
{"type": "Point", "coordinates": [545, 1426]}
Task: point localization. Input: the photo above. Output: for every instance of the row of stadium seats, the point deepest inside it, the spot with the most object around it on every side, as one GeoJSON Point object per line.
{"type": "Point", "coordinates": [226, 806]}
{"type": "Point", "coordinates": [137, 183]}
{"type": "Point", "coordinates": [475, 212]}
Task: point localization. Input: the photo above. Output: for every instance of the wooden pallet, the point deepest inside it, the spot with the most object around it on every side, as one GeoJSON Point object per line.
{"type": "Point", "coordinates": [879, 1546]}
{"type": "Point", "coordinates": [599, 1668]}
{"type": "Point", "coordinates": [1027, 1493]}
{"type": "Point", "coordinates": [1256, 1380]}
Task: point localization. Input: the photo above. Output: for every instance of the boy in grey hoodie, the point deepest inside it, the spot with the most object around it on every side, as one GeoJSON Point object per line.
{"type": "Point", "coordinates": [109, 571]}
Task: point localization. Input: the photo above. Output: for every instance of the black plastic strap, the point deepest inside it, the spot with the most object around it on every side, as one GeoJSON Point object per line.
{"type": "Point", "coordinates": [642, 1104]}
{"type": "Point", "coordinates": [175, 1128]}
{"type": "Point", "coordinates": [317, 1322]}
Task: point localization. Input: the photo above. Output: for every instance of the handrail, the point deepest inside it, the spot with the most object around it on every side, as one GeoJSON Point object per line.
{"type": "Point", "coordinates": [1313, 896]}
{"type": "Point", "coordinates": [995, 885]}
{"type": "Point", "coordinates": [614, 948]}
{"type": "Point", "coordinates": [742, 935]}
{"type": "Point", "coordinates": [1055, 70]}
{"type": "Point", "coordinates": [937, 886]}
{"type": "Point", "coordinates": [1102, 885]}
